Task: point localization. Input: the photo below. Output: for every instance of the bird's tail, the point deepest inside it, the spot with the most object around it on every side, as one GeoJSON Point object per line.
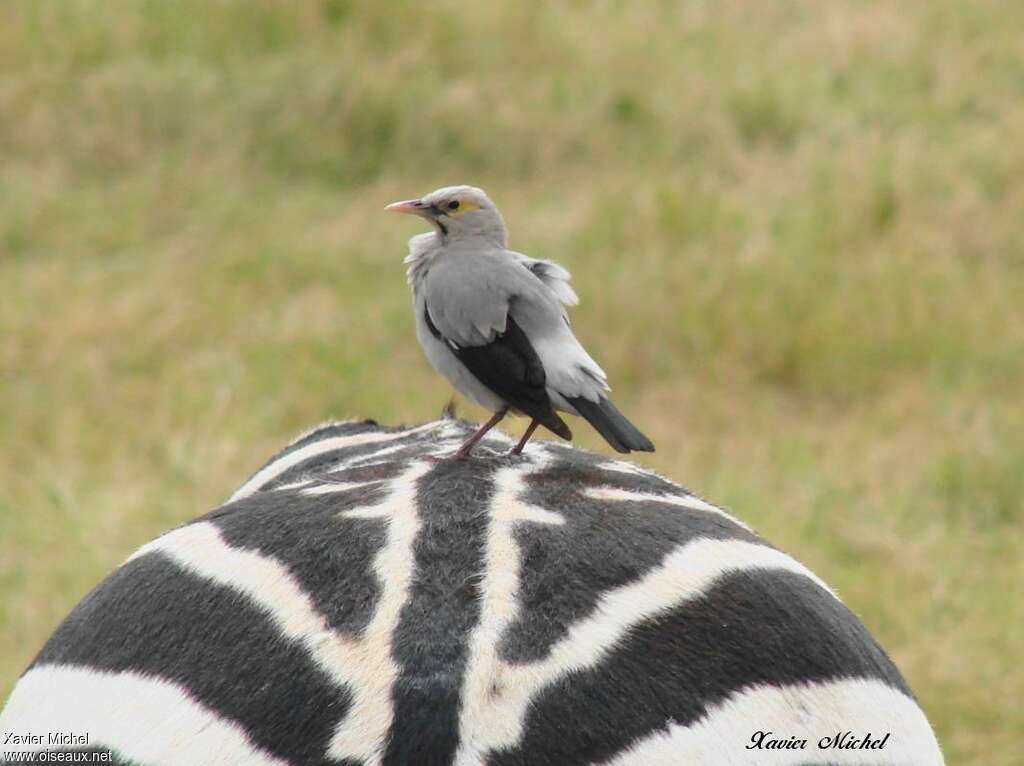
{"type": "Point", "coordinates": [555, 424]}
{"type": "Point", "coordinates": [606, 419]}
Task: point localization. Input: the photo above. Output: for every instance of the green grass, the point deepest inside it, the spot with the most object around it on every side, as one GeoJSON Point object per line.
{"type": "Point", "coordinates": [795, 226]}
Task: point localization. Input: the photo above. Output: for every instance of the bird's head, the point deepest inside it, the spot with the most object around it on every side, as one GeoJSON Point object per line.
{"type": "Point", "coordinates": [458, 212]}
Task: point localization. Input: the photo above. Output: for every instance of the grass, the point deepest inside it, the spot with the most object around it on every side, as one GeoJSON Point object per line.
{"type": "Point", "coordinates": [795, 227]}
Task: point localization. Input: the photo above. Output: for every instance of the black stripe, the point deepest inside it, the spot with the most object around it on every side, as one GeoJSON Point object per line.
{"type": "Point", "coordinates": [602, 545]}
{"type": "Point", "coordinates": [362, 474]}
{"type": "Point", "coordinates": [594, 469]}
{"type": "Point", "coordinates": [327, 462]}
{"type": "Point", "coordinates": [329, 554]}
{"type": "Point", "coordinates": [335, 429]}
{"type": "Point", "coordinates": [327, 432]}
{"type": "Point", "coordinates": [753, 628]}
{"type": "Point", "coordinates": [761, 627]}
{"type": "Point", "coordinates": [153, 618]}
{"type": "Point", "coordinates": [443, 606]}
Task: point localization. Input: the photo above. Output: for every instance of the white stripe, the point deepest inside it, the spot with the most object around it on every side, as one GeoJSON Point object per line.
{"type": "Point", "coordinates": [331, 487]}
{"type": "Point", "coordinates": [293, 485]}
{"type": "Point", "coordinates": [276, 468]}
{"type": "Point", "coordinates": [499, 606]}
{"type": "Point", "coordinates": [362, 460]}
{"type": "Point", "coordinates": [201, 550]}
{"type": "Point", "coordinates": [373, 672]}
{"type": "Point", "coordinates": [496, 434]}
{"type": "Point", "coordinates": [494, 721]}
{"type": "Point", "coordinates": [444, 442]}
{"type": "Point", "coordinates": [145, 719]}
{"type": "Point", "coordinates": [810, 712]}
{"type": "Point", "coordinates": [690, 502]}
{"type": "Point", "coordinates": [363, 665]}
{"type": "Point", "coordinates": [623, 466]}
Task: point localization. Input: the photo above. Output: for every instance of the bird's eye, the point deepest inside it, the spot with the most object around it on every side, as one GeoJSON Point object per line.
{"type": "Point", "coordinates": [453, 205]}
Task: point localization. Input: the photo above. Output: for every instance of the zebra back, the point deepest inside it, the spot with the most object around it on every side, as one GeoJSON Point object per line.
{"type": "Point", "coordinates": [358, 601]}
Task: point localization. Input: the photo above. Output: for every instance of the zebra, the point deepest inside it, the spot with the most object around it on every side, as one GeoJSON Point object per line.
{"type": "Point", "coordinates": [361, 601]}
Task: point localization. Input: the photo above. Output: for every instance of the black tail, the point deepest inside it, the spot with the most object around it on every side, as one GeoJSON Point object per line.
{"type": "Point", "coordinates": [555, 424]}
{"type": "Point", "coordinates": [606, 419]}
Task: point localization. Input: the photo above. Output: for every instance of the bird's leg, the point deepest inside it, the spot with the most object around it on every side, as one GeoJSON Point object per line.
{"type": "Point", "coordinates": [518, 449]}
{"type": "Point", "coordinates": [471, 442]}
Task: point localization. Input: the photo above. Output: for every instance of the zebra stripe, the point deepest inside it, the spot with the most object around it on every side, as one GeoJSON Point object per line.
{"type": "Point", "coordinates": [489, 717]}
{"type": "Point", "coordinates": [120, 706]}
{"type": "Point", "coordinates": [791, 711]}
{"type": "Point", "coordinates": [359, 602]}
{"type": "Point", "coordinates": [499, 693]}
{"type": "Point", "coordinates": [690, 502]}
{"type": "Point", "coordinates": [374, 673]}
{"type": "Point", "coordinates": [304, 454]}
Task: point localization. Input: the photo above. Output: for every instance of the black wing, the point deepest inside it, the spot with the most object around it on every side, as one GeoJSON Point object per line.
{"type": "Point", "coordinates": [510, 367]}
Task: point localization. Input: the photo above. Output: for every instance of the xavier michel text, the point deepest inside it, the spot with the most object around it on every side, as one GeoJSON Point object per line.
{"type": "Point", "coordinates": [60, 738]}
{"type": "Point", "coordinates": [846, 740]}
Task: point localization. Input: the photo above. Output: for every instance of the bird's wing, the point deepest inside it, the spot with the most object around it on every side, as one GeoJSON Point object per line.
{"type": "Point", "coordinates": [571, 371]}
{"type": "Point", "coordinates": [468, 296]}
{"type": "Point", "coordinates": [552, 276]}
{"type": "Point", "coordinates": [467, 308]}
{"type": "Point", "coordinates": [470, 300]}
{"type": "Point", "coordinates": [509, 366]}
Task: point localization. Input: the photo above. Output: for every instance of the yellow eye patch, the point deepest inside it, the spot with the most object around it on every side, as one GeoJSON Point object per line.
{"type": "Point", "coordinates": [461, 207]}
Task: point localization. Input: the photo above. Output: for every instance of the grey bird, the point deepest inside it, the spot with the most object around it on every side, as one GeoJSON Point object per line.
{"type": "Point", "coordinates": [494, 323]}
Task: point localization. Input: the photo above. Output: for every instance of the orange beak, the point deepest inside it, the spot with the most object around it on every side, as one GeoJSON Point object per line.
{"type": "Point", "coordinates": [410, 207]}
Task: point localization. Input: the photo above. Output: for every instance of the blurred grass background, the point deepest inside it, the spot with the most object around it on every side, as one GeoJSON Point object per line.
{"type": "Point", "coordinates": [796, 228]}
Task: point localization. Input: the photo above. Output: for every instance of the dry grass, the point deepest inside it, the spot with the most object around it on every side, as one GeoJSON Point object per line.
{"type": "Point", "coordinates": [795, 226]}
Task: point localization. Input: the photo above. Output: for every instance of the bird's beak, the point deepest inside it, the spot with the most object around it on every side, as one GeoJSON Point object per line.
{"type": "Point", "coordinates": [411, 207]}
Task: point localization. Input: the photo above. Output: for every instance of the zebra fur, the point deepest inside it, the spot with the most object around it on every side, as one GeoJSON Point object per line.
{"type": "Point", "coordinates": [358, 602]}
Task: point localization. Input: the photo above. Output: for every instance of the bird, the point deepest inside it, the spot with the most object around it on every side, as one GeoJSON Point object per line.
{"type": "Point", "coordinates": [495, 323]}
